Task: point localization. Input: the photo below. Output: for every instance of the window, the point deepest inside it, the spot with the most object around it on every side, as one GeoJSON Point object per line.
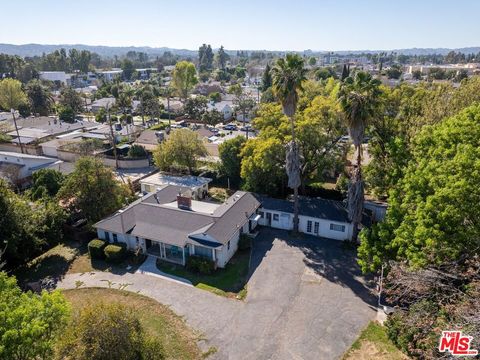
{"type": "Point", "coordinates": [203, 252]}
{"type": "Point", "coordinates": [309, 226]}
{"type": "Point", "coordinates": [261, 214]}
{"type": "Point", "coordinates": [115, 238]}
{"type": "Point", "coordinates": [275, 217]}
{"type": "Point", "coordinates": [228, 245]}
{"type": "Point", "coordinates": [107, 236]}
{"type": "Point", "coordinates": [315, 227]}
{"type": "Point", "coordinates": [336, 227]}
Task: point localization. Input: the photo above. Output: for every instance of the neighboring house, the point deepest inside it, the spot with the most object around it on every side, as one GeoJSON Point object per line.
{"type": "Point", "coordinates": [150, 139]}
{"type": "Point", "coordinates": [102, 104]}
{"type": "Point", "coordinates": [318, 217]}
{"type": "Point", "coordinates": [18, 168]}
{"type": "Point", "coordinates": [224, 107]}
{"type": "Point", "coordinates": [55, 76]}
{"type": "Point", "coordinates": [110, 75]}
{"type": "Point", "coordinates": [144, 74]}
{"type": "Point", "coordinates": [197, 186]}
{"type": "Point", "coordinates": [172, 226]}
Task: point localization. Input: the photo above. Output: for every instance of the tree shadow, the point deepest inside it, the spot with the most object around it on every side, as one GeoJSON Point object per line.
{"type": "Point", "coordinates": [330, 259]}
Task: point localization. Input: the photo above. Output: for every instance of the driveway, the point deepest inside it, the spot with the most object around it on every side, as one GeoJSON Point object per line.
{"type": "Point", "coordinates": [306, 300]}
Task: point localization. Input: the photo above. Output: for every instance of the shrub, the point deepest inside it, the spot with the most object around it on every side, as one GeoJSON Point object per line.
{"type": "Point", "coordinates": [245, 242]}
{"type": "Point", "coordinates": [115, 253]}
{"type": "Point", "coordinates": [200, 265]}
{"type": "Point", "coordinates": [136, 151]}
{"type": "Point", "coordinates": [95, 249]}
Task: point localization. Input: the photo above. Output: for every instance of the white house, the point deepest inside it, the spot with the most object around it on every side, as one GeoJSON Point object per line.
{"type": "Point", "coordinates": [110, 75]}
{"type": "Point", "coordinates": [318, 217]}
{"type": "Point", "coordinates": [171, 226]}
{"type": "Point", "coordinates": [196, 185]}
{"type": "Point", "coordinates": [59, 76]}
{"type": "Point", "coordinates": [222, 107]}
{"type": "Point", "coordinates": [18, 168]}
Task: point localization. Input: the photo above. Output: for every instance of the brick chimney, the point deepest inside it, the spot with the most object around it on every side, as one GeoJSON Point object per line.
{"type": "Point", "coordinates": [184, 202]}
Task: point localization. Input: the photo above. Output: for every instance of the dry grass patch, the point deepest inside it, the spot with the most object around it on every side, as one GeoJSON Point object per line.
{"type": "Point", "coordinates": [177, 339]}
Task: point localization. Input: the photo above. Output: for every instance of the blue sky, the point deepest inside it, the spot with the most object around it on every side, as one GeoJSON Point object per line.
{"type": "Point", "coordinates": [244, 24]}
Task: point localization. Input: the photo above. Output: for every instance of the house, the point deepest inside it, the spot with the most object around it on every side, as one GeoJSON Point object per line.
{"type": "Point", "coordinates": [150, 139]}
{"type": "Point", "coordinates": [172, 226]}
{"type": "Point", "coordinates": [102, 104]}
{"type": "Point", "coordinates": [224, 107]}
{"type": "Point", "coordinates": [196, 185]}
{"type": "Point", "coordinates": [111, 75]}
{"type": "Point", "coordinates": [318, 217]}
{"type": "Point", "coordinates": [55, 76]}
{"type": "Point", "coordinates": [18, 168]}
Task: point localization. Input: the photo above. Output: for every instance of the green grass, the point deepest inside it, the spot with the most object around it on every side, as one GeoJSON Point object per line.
{"type": "Point", "coordinates": [177, 339]}
{"type": "Point", "coordinates": [373, 343]}
{"type": "Point", "coordinates": [229, 282]}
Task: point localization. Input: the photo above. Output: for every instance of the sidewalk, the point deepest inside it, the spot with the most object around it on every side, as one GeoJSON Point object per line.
{"type": "Point", "coordinates": [149, 267]}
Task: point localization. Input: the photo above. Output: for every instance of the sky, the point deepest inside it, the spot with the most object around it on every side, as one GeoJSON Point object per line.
{"type": "Point", "coordinates": [244, 24]}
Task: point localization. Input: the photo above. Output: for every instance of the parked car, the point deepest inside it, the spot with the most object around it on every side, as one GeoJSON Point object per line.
{"type": "Point", "coordinates": [246, 128]}
{"type": "Point", "coordinates": [230, 127]}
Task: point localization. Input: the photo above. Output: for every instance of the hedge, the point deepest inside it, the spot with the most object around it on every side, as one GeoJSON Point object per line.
{"type": "Point", "coordinates": [95, 249]}
{"type": "Point", "coordinates": [200, 265]}
{"type": "Point", "coordinates": [115, 253]}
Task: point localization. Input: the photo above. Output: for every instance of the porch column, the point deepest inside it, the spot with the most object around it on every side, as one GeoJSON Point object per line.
{"type": "Point", "coordinates": [213, 255]}
{"type": "Point", "coordinates": [183, 256]}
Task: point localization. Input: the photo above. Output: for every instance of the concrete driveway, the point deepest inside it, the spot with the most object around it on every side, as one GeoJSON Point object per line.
{"type": "Point", "coordinates": [306, 300]}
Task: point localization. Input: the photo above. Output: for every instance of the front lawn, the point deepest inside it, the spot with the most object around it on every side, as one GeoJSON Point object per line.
{"type": "Point", "coordinates": [68, 258]}
{"type": "Point", "coordinates": [229, 281]}
{"type": "Point", "coordinates": [373, 343]}
{"type": "Point", "coordinates": [177, 339]}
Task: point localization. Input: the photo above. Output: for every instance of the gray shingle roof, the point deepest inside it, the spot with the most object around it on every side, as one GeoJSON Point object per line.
{"type": "Point", "coordinates": [152, 219]}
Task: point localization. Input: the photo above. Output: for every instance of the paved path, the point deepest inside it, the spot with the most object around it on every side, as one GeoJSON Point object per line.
{"type": "Point", "coordinates": [305, 300]}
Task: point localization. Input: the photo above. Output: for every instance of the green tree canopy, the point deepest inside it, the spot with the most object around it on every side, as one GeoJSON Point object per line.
{"type": "Point", "coordinates": [231, 161]}
{"type": "Point", "coordinates": [434, 211]}
{"type": "Point", "coordinates": [182, 148]}
{"type": "Point", "coordinates": [46, 183]}
{"type": "Point", "coordinates": [39, 96]}
{"type": "Point", "coordinates": [93, 190]}
{"type": "Point", "coordinates": [30, 322]}
{"type": "Point", "coordinates": [184, 78]}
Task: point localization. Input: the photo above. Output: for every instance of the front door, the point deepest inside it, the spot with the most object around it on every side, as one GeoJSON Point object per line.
{"type": "Point", "coordinates": [269, 218]}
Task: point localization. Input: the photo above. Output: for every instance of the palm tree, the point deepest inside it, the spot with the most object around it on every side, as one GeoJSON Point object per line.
{"type": "Point", "coordinates": [359, 97]}
{"type": "Point", "coordinates": [287, 77]}
{"type": "Point", "coordinates": [124, 103]}
{"type": "Point", "coordinates": [168, 92]}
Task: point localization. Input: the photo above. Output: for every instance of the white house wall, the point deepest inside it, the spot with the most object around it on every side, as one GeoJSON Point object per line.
{"type": "Point", "coordinates": [285, 222]}
{"type": "Point", "coordinates": [224, 254]}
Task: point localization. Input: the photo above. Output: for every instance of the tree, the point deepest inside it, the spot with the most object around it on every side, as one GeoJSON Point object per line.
{"type": "Point", "coordinates": [46, 183]}
{"type": "Point", "coordinates": [205, 58]}
{"type": "Point", "coordinates": [71, 101]}
{"type": "Point", "coordinates": [196, 107]}
{"type": "Point", "coordinates": [136, 151]}
{"type": "Point", "coordinates": [359, 100]}
{"type": "Point", "coordinates": [212, 117]}
{"type": "Point", "coordinates": [182, 148]}
{"type": "Point", "coordinates": [288, 75]}
{"type": "Point", "coordinates": [394, 72]}
{"type": "Point", "coordinates": [30, 322]}
{"type": "Point", "coordinates": [66, 113]}
{"type": "Point", "coordinates": [128, 68]}
{"type": "Point", "coordinates": [345, 72]}
{"type": "Point", "coordinates": [93, 190]}
{"type": "Point", "coordinates": [222, 58]}
{"type": "Point", "coordinates": [184, 78]}
{"type": "Point", "coordinates": [12, 97]}
{"type": "Point", "coordinates": [107, 331]}
{"type": "Point", "coordinates": [39, 98]}
{"type": "Point", "coordinates": [266, 78]}
{"type": "Point", "coordinates": [168, 92]}
{"type": "Point", "coordinates": [417, 75]}
{"type": "Point", "coordinates": [434, 211]}
{"type": "Point", "coordinates": [231, 161]}
{"type": "Point", "coordinates": [312, 61]}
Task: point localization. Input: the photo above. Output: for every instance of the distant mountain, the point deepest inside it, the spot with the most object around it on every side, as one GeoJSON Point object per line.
{"type": "Point", "coordinates": [104, 51]}
{"type": "Point", "coordinates": [110, 51]}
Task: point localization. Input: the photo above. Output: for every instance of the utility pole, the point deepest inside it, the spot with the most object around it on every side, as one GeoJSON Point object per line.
{"type": "Point", "coordinates": [16, 129]}
{"type": "Point", "coordinates": [113, 137]}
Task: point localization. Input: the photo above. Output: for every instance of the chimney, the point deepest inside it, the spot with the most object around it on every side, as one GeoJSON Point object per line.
{"type": "Point", "coordinates": [184, 202]}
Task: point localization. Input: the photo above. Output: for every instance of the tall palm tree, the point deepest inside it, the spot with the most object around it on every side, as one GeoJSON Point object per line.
{"type": "Point", "coordinates": [359, 98]}
{"type": "Point", "coordinates": [168, 92]}
{"type": "Point", "coordinates": [287, 77]}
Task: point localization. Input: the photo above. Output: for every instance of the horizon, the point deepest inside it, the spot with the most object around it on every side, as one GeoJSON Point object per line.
{"type": "Point", "coordinates": [269, 25]}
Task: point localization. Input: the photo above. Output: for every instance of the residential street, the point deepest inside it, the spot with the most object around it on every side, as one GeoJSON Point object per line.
{"type": "Point", "coordinates": [306, 300]}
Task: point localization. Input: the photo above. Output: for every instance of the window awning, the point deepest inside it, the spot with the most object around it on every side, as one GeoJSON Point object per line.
{"type": "Point", "coordinates": [255, 217]}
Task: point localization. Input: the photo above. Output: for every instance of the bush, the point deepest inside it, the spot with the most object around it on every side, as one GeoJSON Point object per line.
{"type": "Point", "coordinates": [136, 152]}
{"type": "Point", "coordinates": [200, 265]}
{"type": "Point", "coordinates": [95, 249]}
{"type": "Point", "coordinates": [161, 126]}
{"type": "Point", "coordinates": [115, 253]}
{"type": "Point", "coordinates": [245, 242]}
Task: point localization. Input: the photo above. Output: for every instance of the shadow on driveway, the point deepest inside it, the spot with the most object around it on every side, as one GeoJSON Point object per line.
{"type": "Point", "coordinates": [329, 259]}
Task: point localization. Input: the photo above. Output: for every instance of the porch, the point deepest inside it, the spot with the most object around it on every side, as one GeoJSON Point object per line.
{"type": "Point", "coordinates": [167, 252]}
